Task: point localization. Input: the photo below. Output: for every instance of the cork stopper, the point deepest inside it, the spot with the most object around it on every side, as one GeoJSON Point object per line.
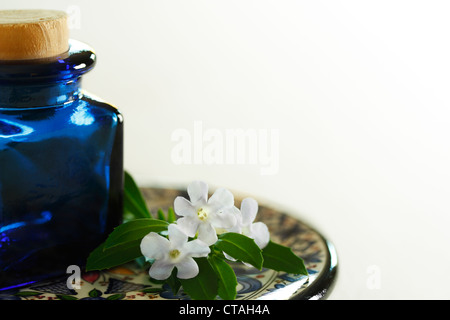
{"type": "Point", "coordinates": [33, 34]}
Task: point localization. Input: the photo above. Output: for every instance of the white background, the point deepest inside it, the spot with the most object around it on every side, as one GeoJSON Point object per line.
{"type": "Point", "coordinates": [359, 91]}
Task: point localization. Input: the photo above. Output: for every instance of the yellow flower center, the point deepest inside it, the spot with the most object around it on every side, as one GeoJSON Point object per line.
{"type": "Point", "coordinates": [202, 214]}
{"type": "Point", "coordinates": [174, 253]}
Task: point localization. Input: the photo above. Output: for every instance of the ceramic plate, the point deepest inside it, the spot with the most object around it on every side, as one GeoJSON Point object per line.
{"type": "Point", "coordinates": [131, 282]}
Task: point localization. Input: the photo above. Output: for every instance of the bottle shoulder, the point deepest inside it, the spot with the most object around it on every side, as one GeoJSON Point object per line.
{"type": "Point", "coordinates": [99, 104]}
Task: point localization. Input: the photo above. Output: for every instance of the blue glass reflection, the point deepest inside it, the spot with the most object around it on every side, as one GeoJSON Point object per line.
{"type": "Point", "coordinates": [9, 129]}
{"type": "Point", "coordinates": [45, 217]}
{"type": "Point", "coordinates": [81, 116]}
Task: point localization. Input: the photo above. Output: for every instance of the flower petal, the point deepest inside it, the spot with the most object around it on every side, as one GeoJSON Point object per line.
{"type": "Point", "coordinates": [225, 219]}
{"type": "Point", "coordinates": [188, 225]}
{"type": "Point", "coordinates": [249, 209]}
{"type": "Point", "coordinates": [198, 192]}
{"type": "Point", "coordinates": [207, 233]}
{"type": "Point", "coordinates": [260, 234]}
{"type": "Point", "coordinates": [196, 248]}
{"type": "Point", "coordinates": [187, 269]}
{"type": "Point", "coordinates": [229, 257]}
{"type": "Point", "coordinates": [177, 236]}
{"type": "Point", "coordinates": [184, 207]}
{"type": "Point", "coordinates": [154, 246]}
{"type": "Point", "coordinates": [161, 270]}
{"type": "Point", "coordinates": [238, 225]}
{"type": "Point", "coordinates": [222, 198]}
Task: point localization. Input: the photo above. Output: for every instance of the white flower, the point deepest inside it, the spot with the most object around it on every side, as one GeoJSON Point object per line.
{"type": "Point", "coordinates": [203, 215]}
{"type": "Point", "coordinates": [173, 252]}
{"type": "Point", "coordinates": [245, 225]}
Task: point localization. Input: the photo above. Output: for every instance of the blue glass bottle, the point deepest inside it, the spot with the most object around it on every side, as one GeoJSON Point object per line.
{"type": "Point", "coordinates": [61, 167]}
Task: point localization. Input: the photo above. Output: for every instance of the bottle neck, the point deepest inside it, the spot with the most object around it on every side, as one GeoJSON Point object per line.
{"type": "Point", "coordinates": [39, 94]}
{"type": "Point", "coordinates": [45, 82]}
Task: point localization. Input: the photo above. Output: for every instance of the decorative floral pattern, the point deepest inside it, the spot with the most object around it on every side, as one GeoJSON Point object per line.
{"type": "Point", "coordinates": [131, 282]}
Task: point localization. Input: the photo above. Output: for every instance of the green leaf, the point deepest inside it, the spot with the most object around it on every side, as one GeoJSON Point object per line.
{"type": "Point", "coordinates": [94, 293]}
{"type": "Point", "coordinates": [134, 230]}
{"type": "Point", "coordinates": [161, 215]}
{"type": "Point", "coordinates": [66, 297]}
{"type": "Point", "coordinates": [241, 248]}
{"type": "Point", "coordinates": [171, 217]}
{"type": "Point", "coordinates": [141, 262]}
{"type": "Point", "coordinates": [226, 277]}
{"type": "Point", "coordinates": [133, 201]}
{"type": "Point", "coordinates": [173, 282]}
{"type": "Point", "coordinates": [102, 258]}
{"type": "Point", "coordinates": [281, 258]}
{"type": "Point", "coordinates": [205, 285]}
{"type": "Point", "coordinates": [117, 296]}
